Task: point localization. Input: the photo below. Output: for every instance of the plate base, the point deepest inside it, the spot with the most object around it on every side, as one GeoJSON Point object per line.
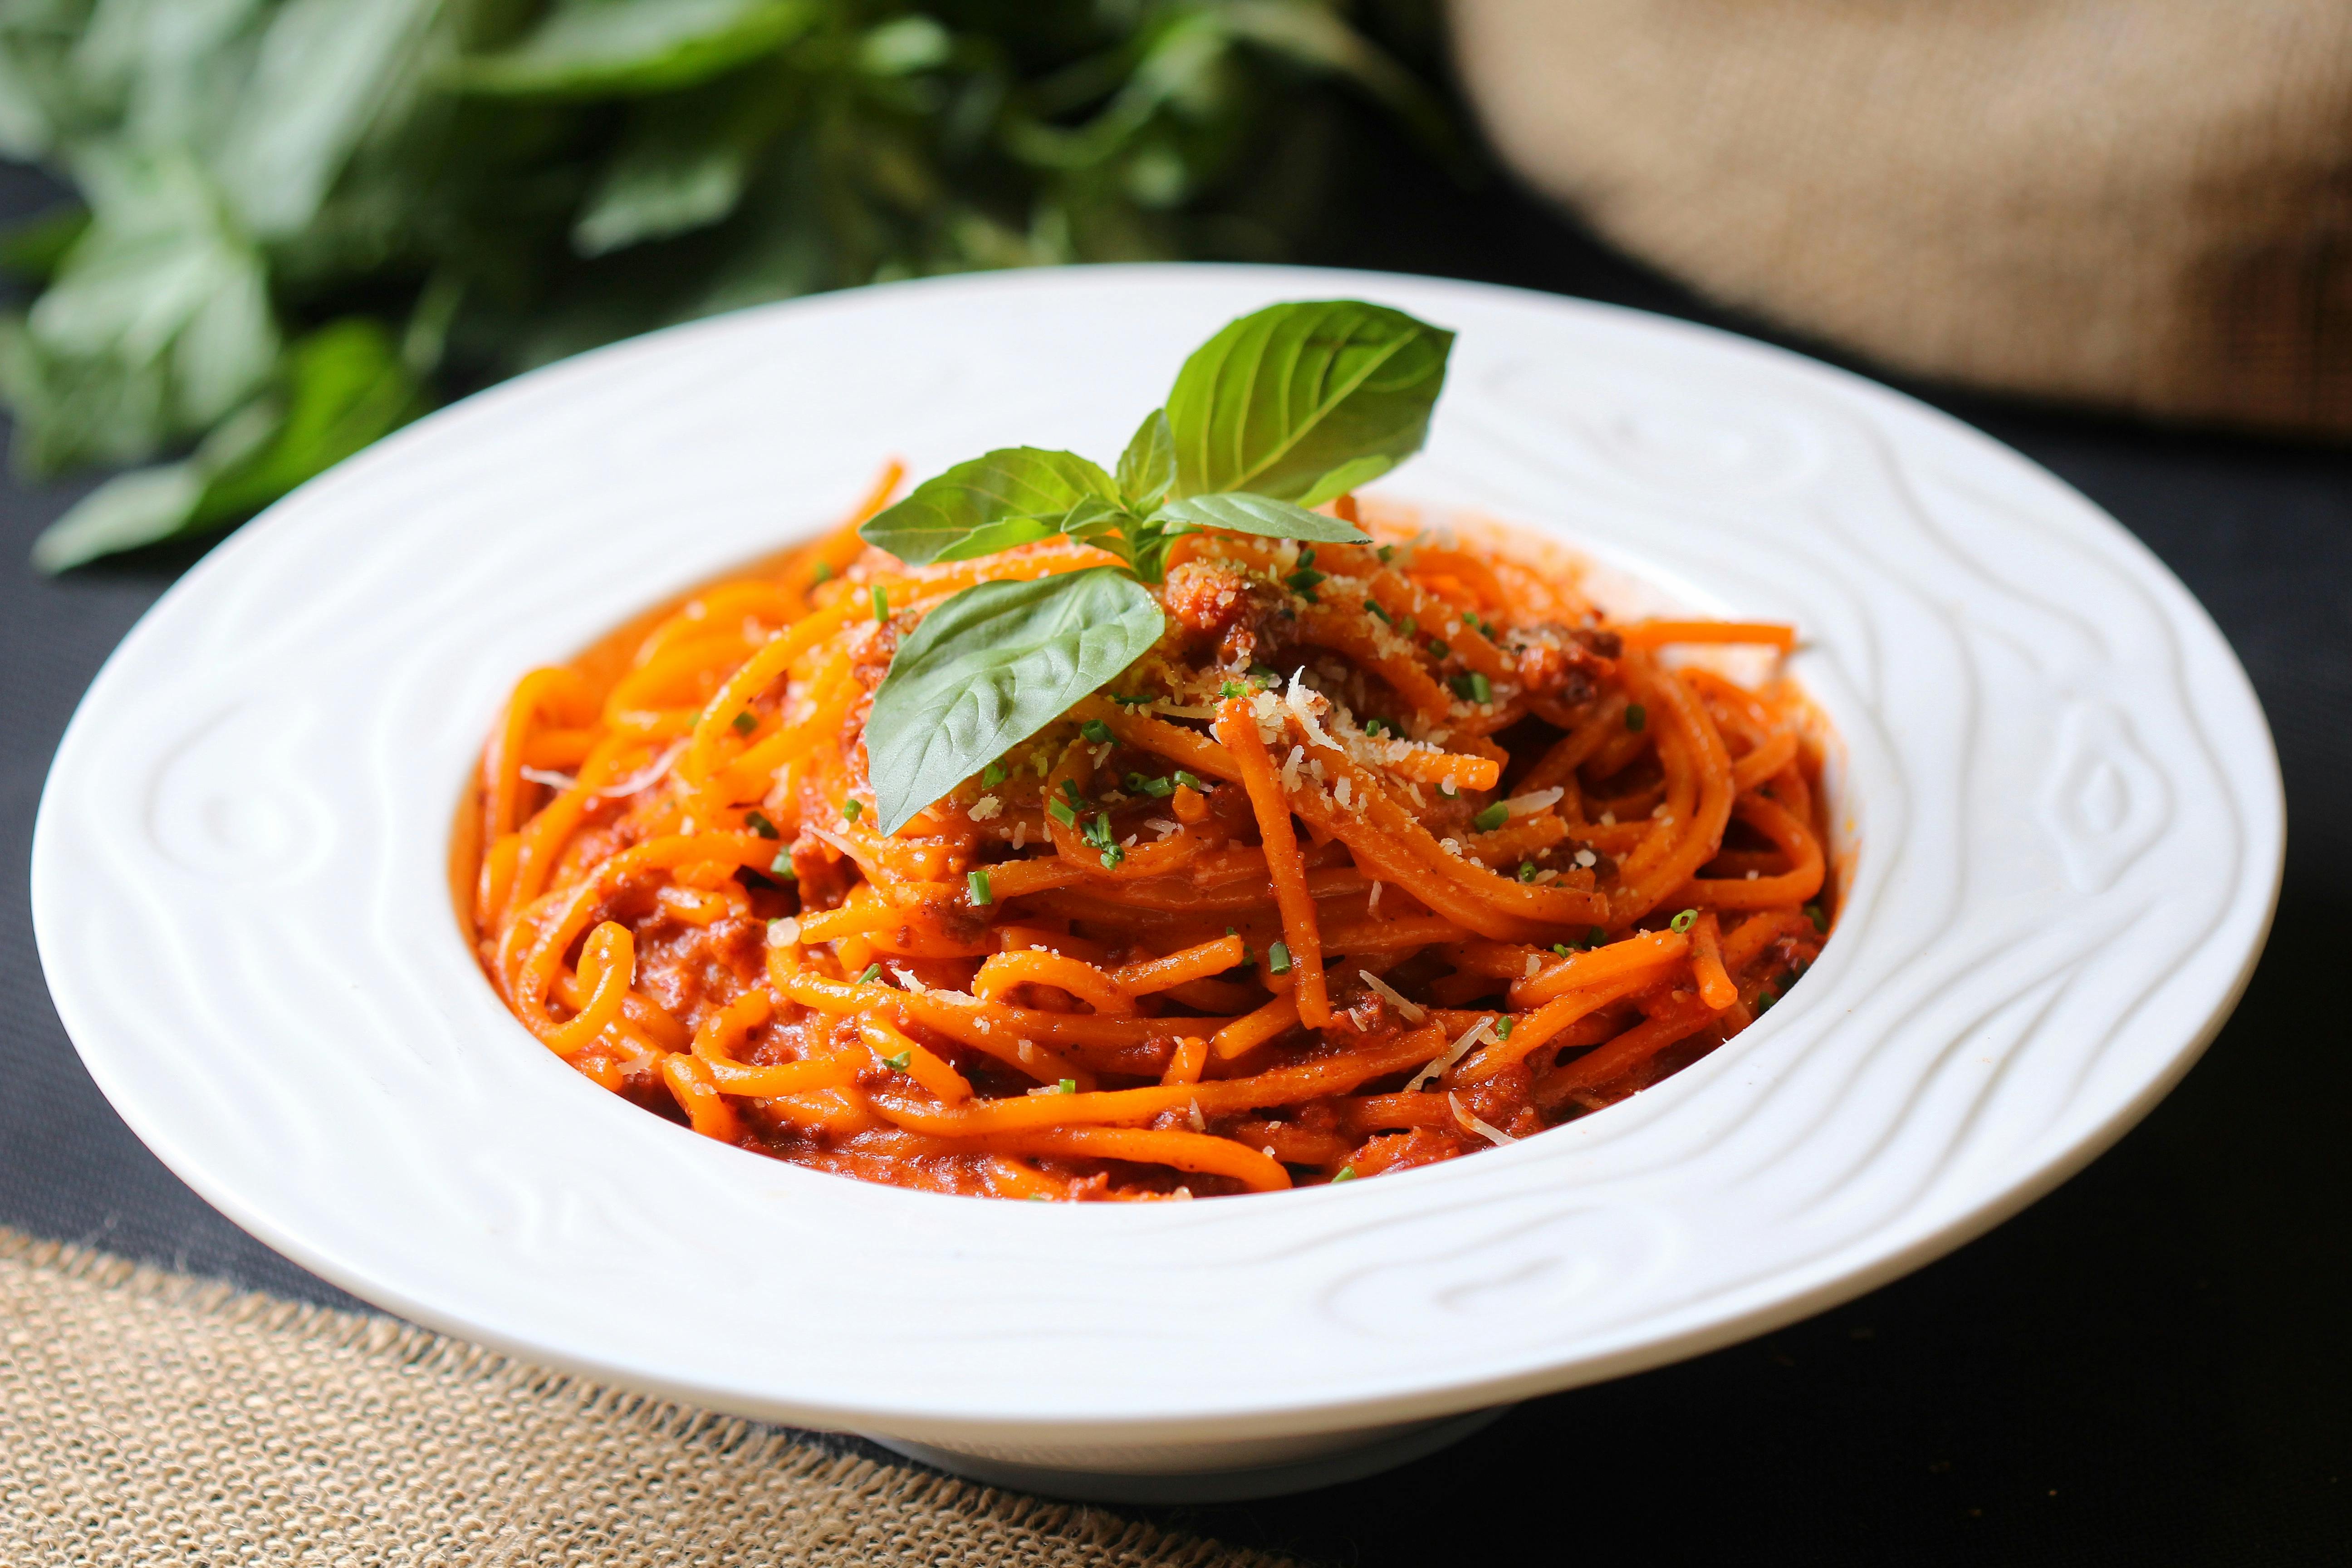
{"type": "Point", "coordinates": [1205, 1486]}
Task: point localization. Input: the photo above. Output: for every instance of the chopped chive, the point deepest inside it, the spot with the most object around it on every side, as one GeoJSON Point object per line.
{"type": "Point", "coordinates": [1407, 626]}
{"type": "Point", "coordinates": [1304, 582]}
{"type": "Point", "coordinates": [1070, 793]}
{"type": "Point", "coordinates": [1068, 1086]}
{"type": "Point", "coordinates": [1306, 555]}
{"type": "Point", "coordinates": [1098, 830]}
{"type": "Point", "coordinates": [977, 882]}
{"type": "Point", "coordinates": [1387, 553]}
{"type": "Point", "coordinates": [852, 809]}
{"type": "Point", "coordinates": [1491, 818]}
{"type": "Point", "coordinates": [1438, 649]}
{"type": "Point", "coordinates": [1503, 1026]}
{"type": "Point", "coordinates": [1132, 702]}
{"type": "Point", "coordinates": [1373, 605]}
{"type": "Point", "coordinates": [1684, 920]}
{"type": "Point", "coordinates": [824, 574]}
{"type": "Point", "coordinates": [1062, 813]}
{"type": "Point", "coordinates": [881, 604]}
{"type": "Point", "coordinates": [1596, 937]}
{"type": "Point", "coordinates": [1637, 718]}
{"type": "Point", "coordinates": [1277, 959]}
{"type": "Point", "coordinates": [1481, 691]}
{"type": "Point", "coordinates": [902, 1061]}
{"type": "Point", "coordinates": [1375, 728]}
{"type": "Point", "coordinates": [1196, 784]}
{"type": "Point", "coordinates": [1527, 870]}
{"type": "Point", "coordinates": [781, 867]}
{"type": "Point", "coordinates": [992, 776]}
{"type": "Point", "coordinates": [1265, 675]}
{"type": "Point", "coordinates": [743, 723]}
{"type": "Point", "coordinates": [1347, 1173]}
{"type": "Point", "coordinates": [1112, 857]}
{"type": "Point", "coordinates": [872, 972]}
{"type": "Point", "coordinates": [757, 821]}
{"type": "Point", "coordinates": [1159, 788]}
{"type": "Point", "coordinates": [1231, 688]}
{"type": "Point", "coordinates": [1764, 1000]}
{"type": "Point", "coordinates": [1562, 949]}
{"type": "Point", "coordinates": [1820, 916]}
{"type": "Point", "coordinates": [1095, 730]}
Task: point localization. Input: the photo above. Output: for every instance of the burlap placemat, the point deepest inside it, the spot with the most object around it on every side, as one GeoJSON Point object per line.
{"type": "Point", "coordinates": [148, 1417]}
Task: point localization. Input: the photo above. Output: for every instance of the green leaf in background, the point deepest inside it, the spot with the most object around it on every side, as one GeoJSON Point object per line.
{"type": "Point", "coordinates": [683, 163]}
{"type": "Point", "coordinates": [991, 667]}
{"type": "Point", "coordinates": [347, 387]}
{"type": "Point", "coordinates": [325, 71]}
{"type": "Point", "coordinates": [1303, 401]}
{"type": "Point", "coordinates": [1012, 484]}
{"type": "Point", "coordinates": [157, 325]}
{"type": "Point", "coordinates": [1262, 515]}
{"type": "Point", "coordinates": [585, 49]}
{"type": "Point", "coordinates": [557, 174]}
{"type": "Point", "coordinates": [1147, 469]}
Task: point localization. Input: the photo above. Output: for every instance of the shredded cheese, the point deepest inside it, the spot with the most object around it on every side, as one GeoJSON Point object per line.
{"type": "Point", "coordinates": [1490, 1132]}
{"type": "Point", "coordinates": [986, 808]}
{"type": "Point", "coordinates": [784, 933]}
{"type": "Point", "coordinates": [1529, 804]}
{"type": "Point", "coordinates": [1454, 1053]}
{"type": "Point", "coordinates": [1413, 1011]}
{"type": "Point", "coordinates": [550, 777]}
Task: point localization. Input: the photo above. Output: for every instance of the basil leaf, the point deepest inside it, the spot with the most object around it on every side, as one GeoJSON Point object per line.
{"type": "Point", "coordinates": [1283, 401]}
{"type": "Point", "coordinates": [1012, 482]}
{"type": "Point", "coordinates": [1147, 469]}
{"type": "Point", "coordinates": [1244, 513]}
{"type": "Point", "coordinates": [991, 667]}
{"type": "Point", "coordinates": [991, 537]}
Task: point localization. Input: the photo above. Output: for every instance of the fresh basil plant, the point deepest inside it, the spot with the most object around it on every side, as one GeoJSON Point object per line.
{"type": "Point", "coordinates": [1284, 409]}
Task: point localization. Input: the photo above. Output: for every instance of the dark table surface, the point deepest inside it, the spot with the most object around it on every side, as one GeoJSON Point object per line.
{"type": "Point", "coordinates": [2148, 1366]}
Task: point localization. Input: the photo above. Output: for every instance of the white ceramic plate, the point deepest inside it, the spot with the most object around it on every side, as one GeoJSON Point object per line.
{"type": "Point", "coordinates": [2060, 803]}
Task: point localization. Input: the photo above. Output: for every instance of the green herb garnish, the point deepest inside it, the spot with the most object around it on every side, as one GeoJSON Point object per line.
{"type": "Point", "coordinates": [992, 776]}
{"type": "Point", "coordinates": [872, 972]}
{"type": "Point", "coordinates": [1491, 818]}
{"type": "Point", "coordinates": [1345, 1174]}
{"type": "Point", "coordinates": [1198, 786]}
{"type": "Point", "coordinates": [1684, 920]}
{"type": "Point", "coordinates": [1281, 410]}
{"type": "Point", "coordinates": [881, 603]}
{"type": "Point", "coordinates": [743, 723]}
{"type": "Point", "coordinates": [757, 821]}
{"type": "Point", "coordinates": [1278, 958]}
{"type": "Point", "coordinates": [1098, 731]}
{"type": "Point", "coordinates": [1820, 916]}
{"type": "Point", "coordinates": [900, 1062]}
{"type": "Point", "coordinates": [977, 883]}
{"type": "Point", "coordinates": [1526, 871]}
{"type": "Point", "coordinates": [1637, 718]}
{"type": "Point", "coordinates": [781, 867]}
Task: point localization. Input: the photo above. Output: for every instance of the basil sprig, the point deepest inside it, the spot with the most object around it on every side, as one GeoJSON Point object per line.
{"type": "Point", "coordinates": [1281, 410]}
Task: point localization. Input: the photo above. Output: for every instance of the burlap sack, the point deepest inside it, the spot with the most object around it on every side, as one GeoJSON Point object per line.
{"type": "Point", "coordinates": [2145, 204]}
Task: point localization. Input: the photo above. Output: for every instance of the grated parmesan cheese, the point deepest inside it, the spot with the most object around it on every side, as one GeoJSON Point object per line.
{"type": "Point", "coordinates": [1413, 1011]}
{"type": "Point", "coordinates": [1374, 901]}
{"type": "Point", "coordinates": [1490, 1132]}
{"type": "Point", "coordinates": [907, 980]}
{"type": "Point", "coordinates": [1587, 858]}
{"type": "Point", "coordinates": [550, 777]}
{"type": "Point", "coordinates": [1454, 1053]}
{"type": "Point", "coordinates": [1535, 801]}
{"type": "Point", "coordinates": [1534, 965]}
{"type": "Point", "coordinates": [1608, 819]}
{"type": "Point", "coordinates": [1200, 1122]}
{"type": "Point", "coordinates": [784, 933]}
{"type": "Point", "coordinates": [986, 808]}
{"type": "Point", "coordinates": [1020, 833]}
{"type": "Point", "coordinates": [1339, 791]}
{"type": "Point", "coordinates": [1290, 768]}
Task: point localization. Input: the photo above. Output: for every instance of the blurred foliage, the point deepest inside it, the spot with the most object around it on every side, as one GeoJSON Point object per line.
{"type": "Point", "coordinates": [301, 221]}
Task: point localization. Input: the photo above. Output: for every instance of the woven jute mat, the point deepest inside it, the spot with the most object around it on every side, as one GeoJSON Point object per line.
{"type": "Point", "coordinates": [147, 1417]}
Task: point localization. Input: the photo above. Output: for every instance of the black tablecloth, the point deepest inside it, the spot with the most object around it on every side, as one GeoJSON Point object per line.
{"type": "Point", "coordinates": [2148, 1366]}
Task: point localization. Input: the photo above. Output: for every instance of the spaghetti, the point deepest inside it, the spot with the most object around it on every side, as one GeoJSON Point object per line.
{"type": "Point", "coordinates": [1384, 855]}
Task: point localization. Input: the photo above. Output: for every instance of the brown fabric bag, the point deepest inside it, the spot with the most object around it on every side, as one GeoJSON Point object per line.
{"type": "Point", "coordinates": [2145, 204]}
